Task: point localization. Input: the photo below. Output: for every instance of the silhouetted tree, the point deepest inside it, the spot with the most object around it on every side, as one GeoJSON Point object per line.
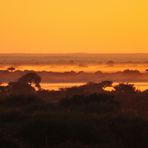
{"type": "Point", "coordinates": [89, 88]}
{"type": "Point", "coordinates": [105, 84]}
{"type": "Point", "coordinates": [11, 69]}
{"type": "Point", "coordinates": [131, 72]}
{"type": "Point", "coordinates": [146, 70]}
{"type": "Point", "coordinates": [31, 78]}
{"type": "Point", "coordinates": [24, 85]}
{"type": "Point", "coordinates": [125, 88]}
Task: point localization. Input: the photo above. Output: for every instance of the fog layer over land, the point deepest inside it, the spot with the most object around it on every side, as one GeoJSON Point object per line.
{"type": "Point", "coordinates": [75, 68]}
{"type": "Point", "coordinates": [75, 62]}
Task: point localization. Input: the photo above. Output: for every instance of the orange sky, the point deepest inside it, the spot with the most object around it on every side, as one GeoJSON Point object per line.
{"type": "Point", "coordinates": [106, 26]}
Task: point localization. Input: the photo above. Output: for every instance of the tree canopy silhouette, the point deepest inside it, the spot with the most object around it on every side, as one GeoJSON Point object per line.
{"type": "Point", "coordinates": [125, 88]}
{"type": "Point", "coordinates": [24, 85]}
{"type": "Point", "coordinates": [11, 69]}
{"type": "Point", "coordinates": [31, 78]}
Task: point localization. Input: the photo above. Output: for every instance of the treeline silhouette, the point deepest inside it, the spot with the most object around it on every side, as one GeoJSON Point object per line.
{"type": "Point", "coordinates": [127, 75]}
{"type": "Point", "coordinates": [88, 116]}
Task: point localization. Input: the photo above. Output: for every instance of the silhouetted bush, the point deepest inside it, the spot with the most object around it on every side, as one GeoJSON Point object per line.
{"type": "Point", "coordinates": [105, 132]}
{"type": "Point", "coordinates": [63, 119]}
{"type": "Point", "coordinates": [95, 103]}
{"type": "Point", "coordinates": [125, 88]}
{"type": "Point", "coordinates": [19, 101]}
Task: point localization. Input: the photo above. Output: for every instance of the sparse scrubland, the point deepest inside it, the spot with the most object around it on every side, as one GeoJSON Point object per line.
{"type": "Point", "coordinates": [88, 116]}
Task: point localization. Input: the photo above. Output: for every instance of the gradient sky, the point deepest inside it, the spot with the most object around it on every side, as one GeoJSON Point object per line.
{"type": "Point", "coordinates": [102, 26]}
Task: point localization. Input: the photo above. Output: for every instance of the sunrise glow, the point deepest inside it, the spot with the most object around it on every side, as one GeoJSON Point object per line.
{"type": "Point", "coordinates": [43, 26]}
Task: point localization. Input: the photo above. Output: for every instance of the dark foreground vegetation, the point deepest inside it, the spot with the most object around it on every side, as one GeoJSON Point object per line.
{"type": "Point", "coordinates": [88, 116]}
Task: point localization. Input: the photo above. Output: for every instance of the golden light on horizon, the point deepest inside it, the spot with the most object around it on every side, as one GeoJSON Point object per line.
{"type": "Point", "coordinates": [73, 26]}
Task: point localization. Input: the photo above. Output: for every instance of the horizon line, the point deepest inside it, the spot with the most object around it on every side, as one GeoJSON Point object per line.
{"type": "Point", "coordinates": [76, 53]}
